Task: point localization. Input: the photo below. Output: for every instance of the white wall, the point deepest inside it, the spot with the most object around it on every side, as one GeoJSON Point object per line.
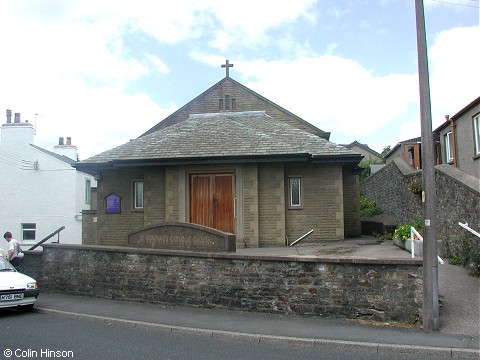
{"type": "Point", "coordinates": [38, 187]}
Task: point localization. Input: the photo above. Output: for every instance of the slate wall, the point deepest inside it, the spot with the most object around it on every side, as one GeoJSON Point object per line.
{"type": "Point", "coordinates": [384, 290]}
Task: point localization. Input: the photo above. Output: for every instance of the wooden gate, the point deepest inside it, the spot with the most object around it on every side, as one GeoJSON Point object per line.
{"type": "Point", "coordinates": [212, 201]}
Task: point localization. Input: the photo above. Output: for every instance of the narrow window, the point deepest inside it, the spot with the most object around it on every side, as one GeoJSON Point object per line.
{"type": "Point", "coordinates": [29, 231]}
{"type": "Point", "coordinates": [220, 104]}
{"type": "Point", "coordinates": [227, 102]}
{"type": "Point", "coordinates": [295, 189]}
{"type": "Point", "coordinates": [448, 147]}
{"type": "Point", "coordinates": [138, 194]}
{"type": "Point", "coordinates": [476, 129]}
{"type": "Point", "coordinates": [88, 191]}
{"type": "Point", "coordinates": [234, 105]}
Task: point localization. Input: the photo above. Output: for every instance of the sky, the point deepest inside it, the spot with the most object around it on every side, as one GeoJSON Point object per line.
{"type": "Point", "coordinates": [104, 72]}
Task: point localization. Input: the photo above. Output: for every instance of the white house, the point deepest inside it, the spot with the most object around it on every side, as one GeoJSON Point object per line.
{"type": "Point", "coordinates": [40, 190]}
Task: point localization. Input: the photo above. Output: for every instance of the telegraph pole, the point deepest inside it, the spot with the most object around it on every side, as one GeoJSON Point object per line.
{"type": "Point", "coordinates": [430, 252]}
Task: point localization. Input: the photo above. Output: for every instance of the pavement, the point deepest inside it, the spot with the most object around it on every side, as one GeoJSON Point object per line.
{"type": "Point", "coordinates": [458, 336]}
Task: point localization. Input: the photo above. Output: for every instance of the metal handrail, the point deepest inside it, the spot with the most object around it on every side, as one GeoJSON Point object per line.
{"type": "Point", "coordinates": [466, 227]}
{"type": "Point", "coordinates": [413, 232]}
{"type": "Point", "coordinates": [301, 238]}
{"type": "Point", "coordinates": [48, 237]}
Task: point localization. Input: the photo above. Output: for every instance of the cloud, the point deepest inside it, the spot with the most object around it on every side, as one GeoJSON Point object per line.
{"type": "Point", "coordinates": [454, 71]}
{"type": "Point", "coordinates": [71, 65]}
{"type": "Point", "coordinates": [158, 64]}
{"type": "Point", "coordinates": [334, 93]}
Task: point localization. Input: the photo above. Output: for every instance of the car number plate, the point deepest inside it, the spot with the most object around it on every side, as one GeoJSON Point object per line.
{"type": "Point", "coordinates": [9, 297]}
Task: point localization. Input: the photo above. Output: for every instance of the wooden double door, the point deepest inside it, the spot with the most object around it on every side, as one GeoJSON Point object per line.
{"type": "Point", "coordinates": [212, 201]}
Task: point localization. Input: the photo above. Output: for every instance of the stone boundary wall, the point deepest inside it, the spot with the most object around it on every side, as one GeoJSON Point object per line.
{"type": "Point", "coordinates": [383, 290]}
{"type": "Point", "coordinates": [457, 200]}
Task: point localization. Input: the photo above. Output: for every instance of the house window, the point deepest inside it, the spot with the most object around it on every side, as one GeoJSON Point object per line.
{"type": "Point", "coordinates": [88, 191]}
{"type": "Point", "coordinates": [138, 194]}
{"type": "Point", "coordinates": [476, 129]}
{"type": "Point", "coordinates": [295, 190]}
{"type": "Point", "coordinates": [448, 147]}
{"type": "Point", "coordinates": [29, 231]}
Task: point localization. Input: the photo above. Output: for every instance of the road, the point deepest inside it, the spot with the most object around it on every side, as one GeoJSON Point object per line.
{"type": "Point", "coordinates": [34, 335]}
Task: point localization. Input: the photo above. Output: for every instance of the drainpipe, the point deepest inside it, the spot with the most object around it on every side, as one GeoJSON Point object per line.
{"type": "Point", "coordinates": [452, 126]}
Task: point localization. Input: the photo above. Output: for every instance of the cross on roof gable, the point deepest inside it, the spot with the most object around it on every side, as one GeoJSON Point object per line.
{"type": "Point", "coordinates": [227, 65]}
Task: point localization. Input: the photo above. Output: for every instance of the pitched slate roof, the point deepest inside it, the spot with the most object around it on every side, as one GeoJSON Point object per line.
{"type": "Point", "coordinates": [363, 146]}
{"type": "Point", "coordinates": [225, 137]}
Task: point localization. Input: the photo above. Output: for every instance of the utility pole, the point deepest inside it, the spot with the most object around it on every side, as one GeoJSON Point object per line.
{"type": "Point", "coordinates": [430, 252]}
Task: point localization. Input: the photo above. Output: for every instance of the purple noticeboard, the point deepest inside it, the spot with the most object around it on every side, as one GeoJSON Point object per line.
{"type": "Point", "coordinates": [112, 204]}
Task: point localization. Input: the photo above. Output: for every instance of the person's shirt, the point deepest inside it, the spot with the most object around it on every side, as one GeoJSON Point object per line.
{"type": "Point", "coordinates": [13, 249]}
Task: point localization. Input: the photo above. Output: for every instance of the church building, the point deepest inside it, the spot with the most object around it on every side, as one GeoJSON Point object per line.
{"type": "Point", "coordinates": [232, 160]}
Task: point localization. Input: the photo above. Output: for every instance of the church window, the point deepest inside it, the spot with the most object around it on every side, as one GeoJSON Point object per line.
{"type": "Point", "coordinates": [220, 104]}
{"type": "Point", "coordinates": [295, 192]}
{"type": "Point", "coordinates": [138, 195]}
{"type": "Point", "coordinates": [227, 102]}
{"type": "Point", "coordinates": [234, 105]}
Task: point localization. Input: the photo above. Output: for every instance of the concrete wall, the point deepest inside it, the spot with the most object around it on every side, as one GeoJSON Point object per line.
{"type": "Point", "coordinates": [389, 290]}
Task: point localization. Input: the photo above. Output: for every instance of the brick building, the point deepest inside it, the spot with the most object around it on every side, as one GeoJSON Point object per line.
{"type": "Point", "coordinates": [232, 160]}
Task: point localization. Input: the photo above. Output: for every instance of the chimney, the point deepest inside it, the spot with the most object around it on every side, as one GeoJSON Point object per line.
{"type": "Point", "coordinates": [67, 149]}
{"type": "Point", "coordinates": [17, 118]}
{"type": "Point", "coordinates": [9, 116]}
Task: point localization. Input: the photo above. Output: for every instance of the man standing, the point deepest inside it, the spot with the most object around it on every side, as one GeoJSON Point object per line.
{"type": "Point", "coordinates": [14, 249]}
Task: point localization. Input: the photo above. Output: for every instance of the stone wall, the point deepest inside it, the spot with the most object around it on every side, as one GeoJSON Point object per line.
{"type": "Point", "coordinates": [32, 265]}
{"type": "Point", "coordinates": [389, 188]}
{"type": "Point", "coordinates": [384, 290]}
{"type": "Point", "coordinates": [457, 200]}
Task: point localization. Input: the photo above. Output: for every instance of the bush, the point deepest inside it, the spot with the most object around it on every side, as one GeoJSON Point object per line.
{"type": "Point", "coordinates": [403, 231]}
{"type": "Point", "coordinates": [368, 207]}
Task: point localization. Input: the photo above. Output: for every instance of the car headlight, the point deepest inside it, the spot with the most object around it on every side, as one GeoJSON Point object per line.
{"type": "Point", "coordinates": [32, 286]}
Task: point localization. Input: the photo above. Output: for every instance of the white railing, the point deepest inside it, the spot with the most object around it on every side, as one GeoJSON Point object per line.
{"type": "Point", "coordinates": [416, 238]}
{"type": "Point", "coordinates": [466, 227]}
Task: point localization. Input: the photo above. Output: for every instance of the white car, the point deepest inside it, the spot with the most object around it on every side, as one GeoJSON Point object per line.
{"type": "Point", "coordinates": [16, 289]}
